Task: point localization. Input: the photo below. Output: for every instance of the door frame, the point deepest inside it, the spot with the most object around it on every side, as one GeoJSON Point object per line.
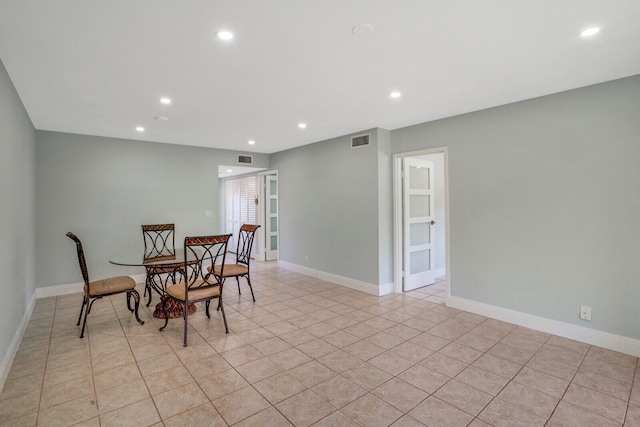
{"type": "Point", "coordinates": [397, 216]}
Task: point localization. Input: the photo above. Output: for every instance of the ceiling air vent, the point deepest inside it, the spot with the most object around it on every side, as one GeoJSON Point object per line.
{"type": "Point", "coordinates": [360, 141]}
{"type": "Point", "coordinates": [244, 159]}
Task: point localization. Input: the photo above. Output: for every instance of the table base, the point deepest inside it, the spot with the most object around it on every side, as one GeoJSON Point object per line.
{"type": "Point", "coordinates": [174, 309]}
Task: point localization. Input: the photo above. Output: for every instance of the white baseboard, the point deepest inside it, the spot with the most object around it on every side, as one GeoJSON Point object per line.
{"type": "Point", "coordinates": [386, 288]}
{"type": "Point", "coordinates": [57, 290]}
{"type": "Point", "coordinates": [566, 330]}
{"type": "Point", "coordinates": [7, 362]}
{"type": "Point", "coordinates": [358, 285]}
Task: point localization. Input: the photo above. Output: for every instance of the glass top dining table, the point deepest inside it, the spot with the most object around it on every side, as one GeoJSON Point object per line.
{"type": "Point", "coordinates": [138, 258]}
{"type": "Point", "coordinates": [163, 263]}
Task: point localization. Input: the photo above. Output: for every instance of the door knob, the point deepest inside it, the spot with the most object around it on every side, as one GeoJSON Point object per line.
{"type": "Point", "coordinates": [433, 222]}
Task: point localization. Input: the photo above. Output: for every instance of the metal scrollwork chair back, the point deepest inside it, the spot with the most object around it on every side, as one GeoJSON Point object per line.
{"type": "Point", "coordinates": [97, 289]}
{"type": "Point", "coordinates": [199, 284]}
{"type": "Point", "coordinates": [159, 245]}
{"type": "Point", "coordinates": [246, 237]}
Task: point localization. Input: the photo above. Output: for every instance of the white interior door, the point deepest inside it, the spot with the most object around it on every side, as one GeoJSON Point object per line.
{"type": "Point", "coordinates": [271, 216]}
{"type": "Point", "coordinates": [417, 223]}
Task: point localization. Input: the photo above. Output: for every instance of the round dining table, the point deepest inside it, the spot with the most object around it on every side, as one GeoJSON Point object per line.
{"type": "Point", "coordinates": [162, 262]}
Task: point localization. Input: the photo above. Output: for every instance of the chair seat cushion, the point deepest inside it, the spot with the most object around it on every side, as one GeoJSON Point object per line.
{"type": "Point", "coordinates": [111, 285]}
{"type": "Point", "coordinates": [195, 293]}
{"type": "Point", "coordinates": [231, 270]}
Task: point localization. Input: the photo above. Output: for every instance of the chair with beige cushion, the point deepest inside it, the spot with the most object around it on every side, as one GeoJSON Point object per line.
{"type": "Point", "coordinates": [102, 288]}
{"type": "Point", "coordinates": [243, 257]}
{"type": "Point", "coordinates": [199, 284]}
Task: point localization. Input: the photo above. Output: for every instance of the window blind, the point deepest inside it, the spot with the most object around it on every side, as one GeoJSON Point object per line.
{"type": "Point", "coordinates": [240, 205]}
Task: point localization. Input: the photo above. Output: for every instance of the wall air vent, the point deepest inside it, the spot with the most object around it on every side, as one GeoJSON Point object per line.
{"type": "Point", "coordinates": [244, 159]}
{"type": "Point", "coordinates": [360, 141]}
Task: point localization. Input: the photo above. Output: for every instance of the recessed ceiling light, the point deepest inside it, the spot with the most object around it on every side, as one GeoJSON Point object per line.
{"type": "Point", "coordinates": [229, 171]}
{"type": "Point", "coordinates": [302, 125]}
{"type": "Point", "coordinates": [590, 31]}
{"type": "Point", "coordinates": [224, 35]}
{"type": "Point", "coordinates": [395, 94]}
{"type": "Point", "coordinates": [251, 142]}
{"type": "Point", "coordinates": [162, 118]}
{"type": "Point", "coordinates": [140, 129]}
{"type": "Point", "coordinates": [165, 100]}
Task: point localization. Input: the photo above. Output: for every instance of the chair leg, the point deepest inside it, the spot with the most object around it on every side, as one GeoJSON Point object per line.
{"type": "Point", "coordinates": [84, 302]}
{"type": "Point", "coordinates": [251, 288]}
{"type": "Point", "coordinates": [147, 288]}
{"type": "Point", "coordinates": [226, 329]}
{"type": "Point", "coordinates": [185, 310]}
{"type": "Point", "coordinates": [207, 308]}
{"type": "Point", "coordinates": [238, 280]}
{"type": "Point", "coordinates": [220, 297]}
{"type": "Point", "coordinates": [136, 297]}
{"type": "Point", "coordinates": [129, 302]}
{"type": "Point", "coordinates": [86, 313]}
{"type": "Point", "coordinates": [166, 315]}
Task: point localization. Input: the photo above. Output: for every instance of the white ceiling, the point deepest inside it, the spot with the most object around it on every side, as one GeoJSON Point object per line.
{"type": "Point", "coordinates": [99, 67]}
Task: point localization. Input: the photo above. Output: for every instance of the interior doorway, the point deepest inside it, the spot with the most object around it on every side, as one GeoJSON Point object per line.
{"type": "Point", "coordinates": [239, 206]}
{"type": "Point", "coordinates": [420, 219]}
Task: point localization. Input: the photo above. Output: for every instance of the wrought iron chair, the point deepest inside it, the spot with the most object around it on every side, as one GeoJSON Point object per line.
{"type": "Point", "coordinates": [199, 284]}
{"type": "Point", "coordinates": [243, 258]}
{"type": "Point", "coordinates": [101, 288]}
{"type": "Point", "coordinates": [159, 244]}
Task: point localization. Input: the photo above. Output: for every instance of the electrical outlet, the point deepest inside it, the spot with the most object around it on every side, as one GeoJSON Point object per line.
{"type": "Point", "coordinates": [306, 259]}
{"type": "Point", "coordinates": [585, 312]}
{"type": "Point", "coordinates": [208, 214]}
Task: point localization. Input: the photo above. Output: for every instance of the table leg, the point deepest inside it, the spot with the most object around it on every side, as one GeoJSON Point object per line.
{"type": "Point", "coordinates": [174, 309]}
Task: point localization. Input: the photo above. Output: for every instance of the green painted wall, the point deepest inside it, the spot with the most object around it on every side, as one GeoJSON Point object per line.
{"type": "Point", "coordinates": [385, 208]}
{"type": "Point", "coordinates": [17, 212]}
{"type": "Point", "coordinates": [103, 189]}
{"type": "Point", "coordinates": [544, 203]}
{"type": "Point", "coordinates": [329, 207]}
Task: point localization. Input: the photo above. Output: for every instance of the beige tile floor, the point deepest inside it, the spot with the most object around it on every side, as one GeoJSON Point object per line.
{"type": "Point", "coordinates": [310, 353]}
